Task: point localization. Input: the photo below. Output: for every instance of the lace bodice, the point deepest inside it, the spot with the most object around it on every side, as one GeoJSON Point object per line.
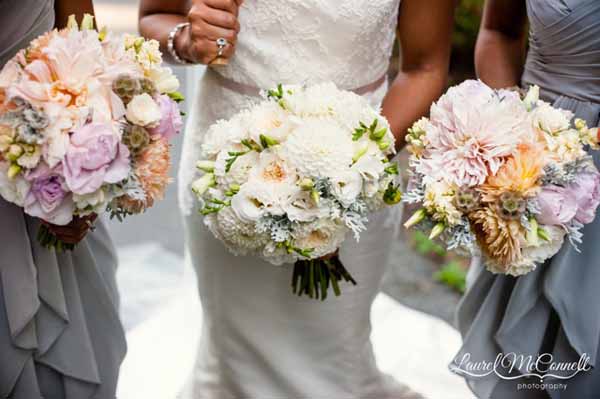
{"type": "Point", "coordinates": [348, 42]}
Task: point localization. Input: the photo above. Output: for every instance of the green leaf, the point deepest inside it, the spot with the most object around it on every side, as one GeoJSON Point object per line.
{"type": "Point", "coordinates": [358, 133]}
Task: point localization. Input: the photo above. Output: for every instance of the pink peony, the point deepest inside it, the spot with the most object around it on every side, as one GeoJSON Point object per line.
{"type": "Point", "coordinates": [95, 156]}
{"type": "Point", "coordinates": [48, 198]}
{"type": "Point", "coordinates": [586, 190]}
{"type": "Point", "coordinates": [170, 122]}
{"type": "Point", "coordinates": [558, 205]}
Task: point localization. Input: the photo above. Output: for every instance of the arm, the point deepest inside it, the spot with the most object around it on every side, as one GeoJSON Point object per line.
{"type": "Point", "coordinates": [209, 19]}
{"type": "Point", "coordinates": [64, 8]}
{"type": "Point", "coordinates": [501, 44]}
{"type": "Point", "coordinates": [424, 33]}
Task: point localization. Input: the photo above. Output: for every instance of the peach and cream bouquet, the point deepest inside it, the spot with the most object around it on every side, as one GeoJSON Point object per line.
{"type": "Point", "coordinates": [85, 122]}
{"type": "Point", "coordinates": [289, 178]}
{"type": "Point", "coordinates": [502, 176]}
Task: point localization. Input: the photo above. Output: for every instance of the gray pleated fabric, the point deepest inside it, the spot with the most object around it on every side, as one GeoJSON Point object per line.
{"type": "Point", "coordinates": [556, 308]}
{"type": "Point", "coordinates": [60, 335]}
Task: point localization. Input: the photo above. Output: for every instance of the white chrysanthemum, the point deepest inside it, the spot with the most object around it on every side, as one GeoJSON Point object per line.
{"type": "Point", "coordinates": [323, 236]}
{"type": "Point", "coordinates": [315, 101]}
{"type": "Point", "coordinates": [269, 119]}
{"type": "Point", "coordinates": [13, 190]}
{"type": "Point", "coordinates": [239, 170]}
{"type": "Point", "coordinates": [270, 187]}
{"type": "Point", "coordinates": [439, 201]}
{"type": "Point", "coordinates": [222, 135]}
{"type": "Point", "coordinates": [238, 234]}
{"type": "Point", "coordinates": [319, 148]}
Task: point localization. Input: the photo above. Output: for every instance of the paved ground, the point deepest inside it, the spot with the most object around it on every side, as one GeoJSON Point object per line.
{"type": "Point", "coordinates": [162, 317]}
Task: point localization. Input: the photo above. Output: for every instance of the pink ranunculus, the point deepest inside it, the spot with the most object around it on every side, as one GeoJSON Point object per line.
{"type": "Point", "coordinates": [558, 205]}
{"type": "Point", "coordinates": [586, 190]}
{"type": "Point", "coordinates": [95, 156]}
{"type": "Point", "coordinates": [170, 122]}
{"type": "Point", "coordinates": [48, 198]}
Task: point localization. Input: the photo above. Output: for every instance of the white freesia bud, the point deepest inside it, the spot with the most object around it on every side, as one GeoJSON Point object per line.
{"type": "Point", "coordinates": [360, 153]}
{"type": "Point", "coordinates": [306, 184]}
{"type": "Point", "coordinates": [142, 110]}
{"type": "Point", "coordinates": [532, 97]}
{"type": "Point", "coordinates": [543, 234]}
{"type": "Point", "coordinates": [72, 22]}
{"type": "Point", "coordinates": [416, 218]}
{"type": "Point", "coordinates": [200, 186]}
{"type": "Point", "coordinates": [87, 23]}
{"type": "Point", "coordinates": [438, 229]}
{"type": "Point", "coordinates": [13, 171]}
{"type": "Point", "coordinates": [532, 237]}
{"type": "Point", "coordinates": [206, 166]}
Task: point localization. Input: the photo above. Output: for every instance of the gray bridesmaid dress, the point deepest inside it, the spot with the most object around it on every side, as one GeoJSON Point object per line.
{"type": "Point", "coordinates": [60, 334]}
{"type": "Point", "coordinates": [556, 308]}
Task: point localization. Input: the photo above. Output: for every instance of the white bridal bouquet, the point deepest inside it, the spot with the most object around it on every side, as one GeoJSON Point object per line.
{"type": "Point", "coordinates": [85, 122]}
{"type": "Point", "coordinates": [501, 176]}
{"type": "Point", "coordinates": [287, 179]}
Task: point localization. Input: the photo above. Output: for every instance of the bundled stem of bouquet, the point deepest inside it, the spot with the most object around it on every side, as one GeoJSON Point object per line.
{"type": "Point", "coordinates": [315, 277]}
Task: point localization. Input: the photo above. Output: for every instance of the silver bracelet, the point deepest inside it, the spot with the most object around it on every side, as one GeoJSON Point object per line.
{"type": "Point", "coordinates": [171, 43]}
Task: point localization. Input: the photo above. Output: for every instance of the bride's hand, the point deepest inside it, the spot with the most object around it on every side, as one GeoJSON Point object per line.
{"type": "Point", "coordinates": [209, 21]}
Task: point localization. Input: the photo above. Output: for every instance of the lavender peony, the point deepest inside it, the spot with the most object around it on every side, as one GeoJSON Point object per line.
{"type": "Point", "coordinates": [170, 122]}
{"type": "Point", "coordinates": [48, 198]}
{"type": "Point", "coordinates": [586, 190]}
{"type": "Point", "coordinates": [95, 156]}
{"type": "Point", "coordinates": [558, 205]}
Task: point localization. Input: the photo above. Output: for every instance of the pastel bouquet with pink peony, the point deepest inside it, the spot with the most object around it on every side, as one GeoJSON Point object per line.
{"type": "Point", "coordinates": [85, 122]}
{"type": "Point", "coordinates": [502, 176]}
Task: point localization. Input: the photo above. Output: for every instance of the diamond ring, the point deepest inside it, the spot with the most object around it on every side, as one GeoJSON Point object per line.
{"type": "Point", "coordinates": [221, 44]}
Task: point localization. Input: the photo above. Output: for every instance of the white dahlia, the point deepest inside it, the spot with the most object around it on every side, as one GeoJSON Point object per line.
{"type": "Point", "coordinates": [319, 148]}
{"type": "Point", "coordinates": [222, 135]}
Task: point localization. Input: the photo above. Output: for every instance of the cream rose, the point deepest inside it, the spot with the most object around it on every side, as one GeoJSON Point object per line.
{"type": "Point", "coordinates": [142, 110]}
{"type": "Point", "coordinates": [164, 79]}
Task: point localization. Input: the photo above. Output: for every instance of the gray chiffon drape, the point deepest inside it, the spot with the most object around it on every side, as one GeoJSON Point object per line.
{"type": "Point", "coordinates": [60, 335]}
{"type": "Point", "coordinates": [556, 308]}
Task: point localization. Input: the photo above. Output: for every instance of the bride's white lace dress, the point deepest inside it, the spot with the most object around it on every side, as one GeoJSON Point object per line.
{"type": "Point", "coordinates": [259, 340]}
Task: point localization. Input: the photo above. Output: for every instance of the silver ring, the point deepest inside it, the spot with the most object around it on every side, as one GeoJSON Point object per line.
{"type": "Point", "coordinates": [221, 44]}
